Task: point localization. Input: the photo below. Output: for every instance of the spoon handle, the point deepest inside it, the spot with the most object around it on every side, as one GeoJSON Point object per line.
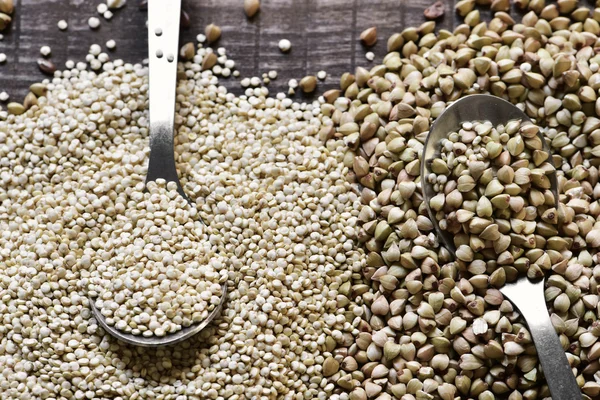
{"type": "Point", "coordinates": [163, 42]}
{"type": "Point", "coordinates": [528, 297]}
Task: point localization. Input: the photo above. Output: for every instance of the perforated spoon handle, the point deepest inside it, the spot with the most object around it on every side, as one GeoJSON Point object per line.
{"type": "Point", "coordinates": [163, 43]}
{"type": "Point", "coordinates": [528, 297]}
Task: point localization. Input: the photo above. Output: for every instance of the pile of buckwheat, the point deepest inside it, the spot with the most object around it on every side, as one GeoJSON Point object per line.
{"type": "Point", "coordinates": [427, 327]}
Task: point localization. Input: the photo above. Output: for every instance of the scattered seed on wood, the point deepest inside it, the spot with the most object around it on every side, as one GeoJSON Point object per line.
{"type": "Point", "coordinates": [251, 7]}
{"type": "Point", "coordinates": [212, 32]}
{"type": "Point", "coordinates": [4, 21]}
{"type": "Point", "coordinates": [45, 51]}
{"type": "Point", "coordinates": [115, 4]}
{"type": "Point", "coordinates": [94, 23]}
{"type": "Point", "coordinates": [7, 6]}
{"type": "Point", "coordinates": [308, 84]}
{"type": "Point", "coordinates": [46, 66]}
{"type": "Point", "coordinates": [285, 45]}
{"type": "Point", "coordinates": [101, 8]}
{"type": "Point", "coordinates": [369, 36]}
{"type": "Point", "coordinates": [184, 20]}
{"type": "Point", "coordinates": [436, 10]}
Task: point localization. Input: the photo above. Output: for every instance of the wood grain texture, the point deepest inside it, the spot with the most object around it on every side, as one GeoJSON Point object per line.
{"type": "Point", "coordinates": [324, 36]}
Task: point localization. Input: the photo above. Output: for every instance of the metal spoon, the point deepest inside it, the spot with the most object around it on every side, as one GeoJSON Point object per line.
{"type": "Point", "coordinates": [524, 294]}
{"type": "Point", "coordinates": [163, 41]}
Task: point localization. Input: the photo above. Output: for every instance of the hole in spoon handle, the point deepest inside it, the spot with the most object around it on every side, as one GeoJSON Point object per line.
{"type": "Point", "coordinates": [163, 41]}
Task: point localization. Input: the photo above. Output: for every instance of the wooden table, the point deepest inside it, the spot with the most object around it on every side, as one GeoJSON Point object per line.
{"type": "Point", "coordinates": [324, 36]}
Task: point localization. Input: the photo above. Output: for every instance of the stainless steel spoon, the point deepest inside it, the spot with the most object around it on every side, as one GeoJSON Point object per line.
{"type": "Point", "coordinates": [163, 41]}
{"type": "Point", "coordinates": [524, 294]}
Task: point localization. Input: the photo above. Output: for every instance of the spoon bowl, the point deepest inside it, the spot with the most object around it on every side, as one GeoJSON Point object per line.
{"type": "Point", "coordinates": [477, 107]}
{"type": "Point", "coordinates": [163, 42]}
{"type": "Point", "coordinates": [526, 295]}
{"type": "Point", "coordinates": [156, 341]}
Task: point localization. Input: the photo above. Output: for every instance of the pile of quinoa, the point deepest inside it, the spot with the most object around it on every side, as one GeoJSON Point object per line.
{"type": "Point", "coordinates": [279, 217]}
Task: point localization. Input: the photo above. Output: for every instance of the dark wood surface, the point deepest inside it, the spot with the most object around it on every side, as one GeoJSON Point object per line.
{"type": "Point", "coordinates": [324, 35]}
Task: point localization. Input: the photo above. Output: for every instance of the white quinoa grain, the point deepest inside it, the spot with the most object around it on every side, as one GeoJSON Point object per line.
{"type": "Point", "coordinates": [285, 45]}
{"type": "Point", "coordinates": [252, 164]}
{"type": "Point", "coordinates": [95, 64]}
{"type": "Point", "coordinates": [93, 22]}
{"type": "Point", "coordinates": [255, 81]}
{"type": "Point", "coordinates": [101, 8]}
{"type": "Point", "coordinates": [525, 67]}
{"type": "Point", "coordinates": [95, 49]}
{"type": "Point", "coordinates": [62, 25]}
{"type": "Point", "coordinates": [45, 51]}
